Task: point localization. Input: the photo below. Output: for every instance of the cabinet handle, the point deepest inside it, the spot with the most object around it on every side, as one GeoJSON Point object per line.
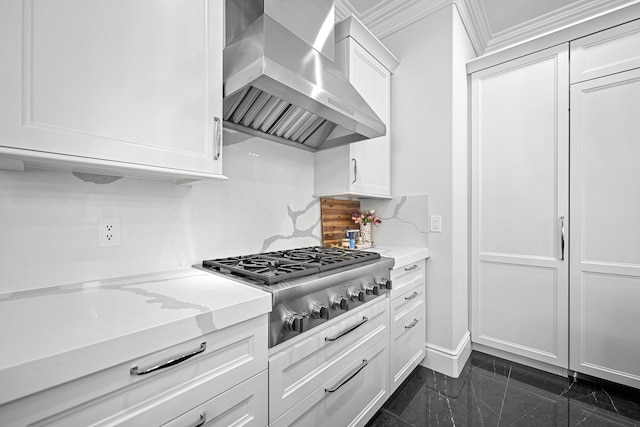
{"type": "Point", "coordinates": [415, 294]}
{"type": "Point", "coordinates": [217, 138]}
{"type": "Point", "coordinates": [355, 170]}
{"type": "Point", "coordinates": [348, 378]}
{"type": "Point", "coordinates": [562, 238]}
{"type": "Point", "coordinates": [167, 363]}
{"type": "Point", "coordinates": [412, 324]}
{"type": "Point", "coordinates": [201, 420]}
{"type": "Point", "coordinates": [352, 328]}
{"type": "Point", "coordinates": [413, 267]}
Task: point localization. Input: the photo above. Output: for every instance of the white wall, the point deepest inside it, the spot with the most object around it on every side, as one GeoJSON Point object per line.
{"type": "Point", "coordinates": [429, 156]}
{"type": "Point", "coordinates": [48, 220]}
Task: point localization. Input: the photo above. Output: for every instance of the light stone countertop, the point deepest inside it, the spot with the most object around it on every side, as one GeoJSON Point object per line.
{"type": "Point", "coordinates": [401, 254]}
{"type": "Point", "coordinates": [53, 335]}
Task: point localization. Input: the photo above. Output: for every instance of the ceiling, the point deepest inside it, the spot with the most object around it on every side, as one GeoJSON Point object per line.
{"type": "Point", "coordinates": [491, 24]}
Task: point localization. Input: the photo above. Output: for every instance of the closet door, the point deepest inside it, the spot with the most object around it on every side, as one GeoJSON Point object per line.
{"type": "Point", "coordinates": [519, 284]}
{"type": "Point", "coordinates": [605, 236]}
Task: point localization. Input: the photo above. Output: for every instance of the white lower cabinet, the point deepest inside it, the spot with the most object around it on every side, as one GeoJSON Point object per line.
{"type": "Point", "coordinates": [408, 322]}
{"type": "Point", "coordinates": [128, 395]}
{"type": "Point", "coordinates": [299, 369]}
{"type": "Point", "coordinates": [244, 405]}
{"type": "Point", "coordinates": [407, 344]}
{"type": "Point", "coordinates": [407, 276]}
{"type": "Point", "coordinates": [349, 398]}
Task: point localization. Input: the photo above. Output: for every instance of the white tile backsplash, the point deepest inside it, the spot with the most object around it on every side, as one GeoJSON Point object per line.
{"type": "Point", "coordinates": [48, 219]}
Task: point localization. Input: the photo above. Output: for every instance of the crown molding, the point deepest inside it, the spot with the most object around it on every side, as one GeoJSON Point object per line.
{"type": "Point", "coordinates": [343, 9]}
{"type": "Point", "coordinates": [474, 18]}
{"type": "Point", "coordinates": [387, 17]}
{"type": "Point", "coordinates": [390, 16]}
{"type": "Point", "coordinates": [556, 20]}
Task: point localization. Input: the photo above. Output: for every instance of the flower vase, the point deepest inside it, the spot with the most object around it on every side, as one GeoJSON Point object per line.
{"type": "Point", "coordinates": [365, 233]}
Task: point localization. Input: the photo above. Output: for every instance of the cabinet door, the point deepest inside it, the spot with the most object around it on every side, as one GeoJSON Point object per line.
{"type": "Point", "coordinates": [128, 81]}
{"type": "Point", "coordinates": [519, 196]}
{"type": "Point", "coordinates": [606, 52]}
{"type": "Point", "coordinates": [605, 236]}
{"type": "Point", "coordinates": [371, 170]}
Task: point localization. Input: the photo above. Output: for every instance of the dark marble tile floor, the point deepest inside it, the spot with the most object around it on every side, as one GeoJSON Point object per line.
{"type": "Point", "coordinates": [496, 392]}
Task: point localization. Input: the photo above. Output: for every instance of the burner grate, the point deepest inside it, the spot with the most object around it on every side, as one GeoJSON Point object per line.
{"type": "Point", "coordinates": [277, 266]}
{"type": "Point", "coordinates": [258, 267]}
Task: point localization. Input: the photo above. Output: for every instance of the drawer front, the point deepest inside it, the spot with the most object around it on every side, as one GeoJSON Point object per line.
{"type": "Point", "coordinates": [354, 399]}
{"type": "Point", "coordinates": [407, 346]}
{"type": "Point", "coordinates": [243, 405]}
{"type": "Point", "coordinates": [406, 277]}
{"type": "Point", "coordinates": [611, 51]}
{"type": "Point", "coordinates": [299, 369]}
{"type": "Point", "coordinates": [117, 397]}
{"type": "Point", "coordinates": [402, 306]}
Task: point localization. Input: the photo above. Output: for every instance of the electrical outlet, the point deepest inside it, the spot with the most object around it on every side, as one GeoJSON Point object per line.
{"type": "Point", "coordinates": [435, 224]}
{"type": "Point", "coordinates": [108, 232]}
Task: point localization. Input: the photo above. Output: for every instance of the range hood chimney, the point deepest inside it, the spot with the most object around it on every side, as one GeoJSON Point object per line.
{"type": "Point", "coordinates": [280, 80]}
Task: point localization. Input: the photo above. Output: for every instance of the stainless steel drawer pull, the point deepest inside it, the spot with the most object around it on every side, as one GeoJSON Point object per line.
{"type": "Point", "coordinates": [415, 294]}
{"type": "Point", "coordinates": [174, 361]}
{"type": "Point", "coordinates": [201, 420]}
{"type": "Point", "coordinates": [348, 378]}
{"type": "Point", "coordinates": [412, 324]}
{"type": "Point", "coordinates": [217, 138]}
{"type": "Point", "coordinates": [413, 267]}
{"type": "Point", "coordinates": [562, 238]}
{"type": "Point", "coordinates": [345, 332]}
{"type": "Point", "coordinates": [355, 170]}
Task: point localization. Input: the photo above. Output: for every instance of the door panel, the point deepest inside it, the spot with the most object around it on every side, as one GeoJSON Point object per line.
{"type": "Point", "coordinates": [518, 305]}
{"type": "Point", "coordinates": [518, 176]}
{"type": "Point", "coordinates": [606, 344]}
{"type": "Point", "coordinates": [605, 241]}
{"type": "Point", "coordinates": [519, 194]}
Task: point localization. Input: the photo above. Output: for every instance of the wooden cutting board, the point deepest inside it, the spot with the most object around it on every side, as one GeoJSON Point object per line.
{"type": "Point", "coordinates": [336, 217]}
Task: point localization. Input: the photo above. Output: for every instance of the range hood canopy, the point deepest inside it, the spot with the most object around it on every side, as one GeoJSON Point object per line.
{"type": "Point", "coordinates": [280, 81]}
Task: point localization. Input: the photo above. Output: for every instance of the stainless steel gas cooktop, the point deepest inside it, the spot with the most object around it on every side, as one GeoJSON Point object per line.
{"type": "Point", "coordinates": [309, 286]}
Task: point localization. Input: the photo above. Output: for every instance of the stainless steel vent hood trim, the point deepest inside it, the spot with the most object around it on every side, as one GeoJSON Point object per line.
{"type": "Point", "coordinates": [279, 87]}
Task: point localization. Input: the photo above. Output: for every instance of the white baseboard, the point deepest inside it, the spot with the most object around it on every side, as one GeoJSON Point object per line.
{"type": "Point", "coordinates": [447, 361]}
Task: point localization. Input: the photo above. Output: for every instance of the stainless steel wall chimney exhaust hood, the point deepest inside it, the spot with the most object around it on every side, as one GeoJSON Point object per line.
{"type": "Point", "coordinates": [280, 81]}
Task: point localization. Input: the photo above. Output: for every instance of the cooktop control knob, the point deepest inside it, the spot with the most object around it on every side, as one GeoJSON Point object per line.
{"type": "Point", "coordinates": [357, 295]}
{"type": "Point", "coordinates": [385, 283]}
{"type": "Point", "coordinates": [373, 289]}
{"type": "Point", "coordinates": [294, 322]}
{"type": "Point", "coordinates": [320, 311]}
{"type": "Point", "coordinates": [340, 303]}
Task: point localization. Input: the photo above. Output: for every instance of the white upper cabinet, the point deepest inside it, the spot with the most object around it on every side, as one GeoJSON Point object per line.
{"type": "Point", "coordinates": [123, 87]}
{"type": "Point", "coordinates": [607, 52]}
{"type": "Point", "coordinates": [362, 168]}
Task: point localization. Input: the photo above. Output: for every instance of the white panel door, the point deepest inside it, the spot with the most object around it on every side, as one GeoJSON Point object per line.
{"type": "Point", "coordinates": [371, 164]}
{"type": "Point", "coordinates": [519, 199]}
{"type": "Point", "coordinates": [605, 237]}
{"type": "Point", "coordinates": [131, 81]}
